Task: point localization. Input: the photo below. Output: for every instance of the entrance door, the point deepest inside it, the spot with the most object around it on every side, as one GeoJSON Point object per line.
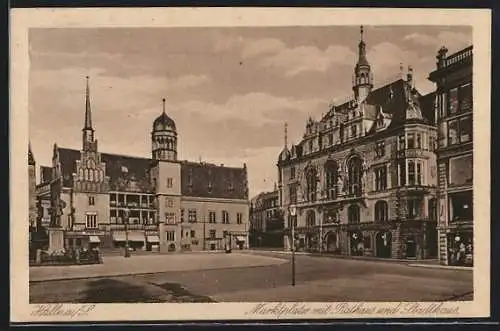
{"type": "Point", "coordinates": [331, 242]}
{"type": "Point", "coordinates": [384, 244]}
{"type": "Point", "coordinates": [411, 247]}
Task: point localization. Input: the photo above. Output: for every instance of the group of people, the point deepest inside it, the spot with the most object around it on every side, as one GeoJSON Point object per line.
{"type": "Point", "coordinates": [460, 253]}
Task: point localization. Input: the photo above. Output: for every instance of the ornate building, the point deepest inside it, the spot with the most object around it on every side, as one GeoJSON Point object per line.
{"type": "Point", "coordinates": [32, 216]}
{"type": "Point", "coordinates": [363, 177]}
{"type": "Point", "coordinates": [103, 199]}
{"type": "Point", "coordinates": [266, 220]}
{"type": "Point", "coordinates": [453, 79]}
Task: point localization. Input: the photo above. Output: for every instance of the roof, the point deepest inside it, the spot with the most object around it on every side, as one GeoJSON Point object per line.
{"type": "Point", "coordinates": [210, 180]}
{"type": "Point", "coordinates": [132, 174]}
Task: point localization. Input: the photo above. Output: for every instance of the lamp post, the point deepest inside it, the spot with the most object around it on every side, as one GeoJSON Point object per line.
{"type": "Point", "coordinates": [293, 211]}
{"type": "Point", "coordinates": [126, 218]}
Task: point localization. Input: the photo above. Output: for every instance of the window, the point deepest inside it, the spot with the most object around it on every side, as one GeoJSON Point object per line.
{"type": "Point", "coordinates": [292, 173]}
{"type": "Point", "coordinates": [465, 129]}
{"type": "Point", "coordinates": [169, 203]}
{"type": "Point", "coordinates": [170, 182]}
{"type": "Point", "coordinates": [413, 208]}
{"type": "Point", "coordinates": [453, 132]}
{"type": "Point", "coordinates": [211, 217]}
{"type": "Point", "coordinates": [182, 215]}
{"type": "Point", "coordinates": [91, 221]}
{"type": "Point", "coordinates": [418, 140]}
{"type": "Point", "coordinates": [354, 131]}
{"type": "Point", "coordinates": [311, 184]}
{"type": "Point", "coordinates": [91, 201]}
{"type": "Point", "coordinates": [380, 148]}
{"type": "Point", "coordinates": [170, 218]}
{"type": "Point", "coordinates": [310, 219]}
{"type": "Point", "coordinates": [354, 176]}
{"type": "Point", "coordinates": [193, 234]}
{"type": "Point", "coordinates": [410, 142]}
{"type": "Point", "coordinates": [432, 209]}
{"type": "Point", "coordinates": [239, 218]}
{"type": "Point", "coordinates": [225, 217]}
{"type": "Point", "coordinates": [381, 178]}
{"type": "Point", "coordinates": [453, 101]}
{"type": "Point", "coordinates": [170, 235]}
{"type": "Point", "coordinates": [402, 172]}
{"type": "Point", "coordinates": [331, 179]}
{"type": "Point", "coordinates": [401, 143]}
{"type": "Point", "coordinates": [460, 170]}
{"type": "Point", "coordinates": [353, 216]}
{"type": "Point", "coordinates": [432, 143]}
{"type": "Point", "coordinates": [414, 173]}
{"type": "Point", "coordinates": [461, 206]}
{"type": "Point", "coordinates": [381, 211]}
{"type": "Point", "coordinates": [212, 234]}
{"type": "Point", "coordinates": [460, 130]}
{"type": "Point", "coordinates": [192, 217]}
{"type": "Point", "coordinates": [310, 146]}
{"type": "Point", "coordinates": [465, 97]}
{"type": "Point", "coordinates": [293, 193]}
{"type": "Point", "coordinates": [330, 139]}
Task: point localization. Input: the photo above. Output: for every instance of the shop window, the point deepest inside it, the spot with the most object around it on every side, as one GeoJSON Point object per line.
{"type": "Point", "coordinates": [461, 170]}
{"type": "Point", "coordinates": [461, 207]}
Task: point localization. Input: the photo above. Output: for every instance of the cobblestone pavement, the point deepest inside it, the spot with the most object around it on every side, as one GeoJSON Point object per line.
{"type": "Point", "coordinates": [317, 279]}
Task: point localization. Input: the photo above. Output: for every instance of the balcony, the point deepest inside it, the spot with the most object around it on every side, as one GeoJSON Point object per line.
{"type": "Point", "coordinates": [146, 227]}
{"type": "Point", "coordinates": [461, 56]}
{"type": "Point", "coordinates": [410, 153]}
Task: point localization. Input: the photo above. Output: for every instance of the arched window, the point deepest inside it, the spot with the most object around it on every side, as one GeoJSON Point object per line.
{"type": "Point", "coordinates": [354, 167]}
{"type": "Point", "coordinates": [310, 219]}
{"type": "Point", "coordinates": [330, 178]}
{"type": "Point", "coordinates": [311, 177]}
{"type": "Point", "coordinates": [353, 215]}
{"type": "Point", "coordinates": [381, 211]}
{"type": "Point", "coordinates": [81, 174]}
{"type": "Point", "coordinates": [86, 172]}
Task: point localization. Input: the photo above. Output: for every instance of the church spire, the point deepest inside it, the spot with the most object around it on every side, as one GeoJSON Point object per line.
{"type": "Point", "coordinates": [88, 110]}
{"type": "Point", "coordinates": [31, 157]}
{"type": "Point", "coordinates": [88, 130]}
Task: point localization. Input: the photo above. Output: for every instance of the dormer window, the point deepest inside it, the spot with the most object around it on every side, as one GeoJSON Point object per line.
{"type": "Point", "coordinates": [310, 146]}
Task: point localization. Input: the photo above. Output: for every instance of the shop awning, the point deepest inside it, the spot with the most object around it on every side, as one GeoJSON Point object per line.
{"type": "Point", "coordinates": [94, 239]}
{"type": "Point", "coordinates": [240, 238]}
{"type": "Point", "coordinates": [132, 236]}
{"type": "Point", "coordinates": [153, 239]}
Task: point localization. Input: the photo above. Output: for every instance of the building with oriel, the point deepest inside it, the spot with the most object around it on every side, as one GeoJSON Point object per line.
{"type": "Point", "coordinates": [363, 178]}
{"type": "Point", "coordinates": [453, 79]}
{"type": "Point", "coordinates": [107, 200]}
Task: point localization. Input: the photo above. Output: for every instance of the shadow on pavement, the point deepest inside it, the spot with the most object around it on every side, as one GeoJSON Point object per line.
{"type": "Point", "coordinates": [115, 291]}
{"type": "Point", "coordinates": [181, 294]}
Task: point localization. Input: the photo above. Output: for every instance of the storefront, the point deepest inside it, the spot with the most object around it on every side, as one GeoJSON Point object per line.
{"type": "Point", "coordinates": [460, 248]}
{"type": "Point", "coordinates": [136, 239]}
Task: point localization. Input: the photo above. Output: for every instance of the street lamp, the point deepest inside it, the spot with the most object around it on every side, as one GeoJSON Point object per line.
{"type": "Point", "coordinates": [126, 219]}
{"type": "Point", "coordinates": [293, 211]}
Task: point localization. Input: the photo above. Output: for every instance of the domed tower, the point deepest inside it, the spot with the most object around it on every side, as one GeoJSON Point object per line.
{"type": "Point", "coordinates": [363, 78]}
{"type": "Point", "coordinates": [164, 138]}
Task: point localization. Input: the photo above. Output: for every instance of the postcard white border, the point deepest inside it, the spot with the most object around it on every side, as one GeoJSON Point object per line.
{"type": "Point", "coordinates": [23, 19]}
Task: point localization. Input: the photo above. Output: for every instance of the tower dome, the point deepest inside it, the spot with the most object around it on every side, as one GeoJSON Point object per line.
{"type": "Point", "coordinates": [164, 137]}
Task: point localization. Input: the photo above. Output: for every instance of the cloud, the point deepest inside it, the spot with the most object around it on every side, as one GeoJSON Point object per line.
{"type": "Point", "coordinates": [452, 40]}
{"type": "Point", "coordinates": [262, 46]}
{"type": "Point", "coordinates": [309, 58]}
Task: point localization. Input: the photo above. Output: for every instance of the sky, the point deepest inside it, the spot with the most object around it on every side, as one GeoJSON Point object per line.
{"type": "Point", "coordinates": [229, 90]}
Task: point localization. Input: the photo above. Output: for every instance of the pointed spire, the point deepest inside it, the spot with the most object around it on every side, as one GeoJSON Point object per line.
{"type": "Point", "coordinates": [286, 135]}
{"type": "Point", "coordinates": [361, 33]}
{"type": "Point", "coordinates": [362, 49]}
{"type": "Point", "coordinates": [163, 100]}
{"type": "Point", "coordinates": [88, 111]}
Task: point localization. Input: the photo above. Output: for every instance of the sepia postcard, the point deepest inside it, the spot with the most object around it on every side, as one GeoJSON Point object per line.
{"type": "Point", "coordinates": [249, 164]}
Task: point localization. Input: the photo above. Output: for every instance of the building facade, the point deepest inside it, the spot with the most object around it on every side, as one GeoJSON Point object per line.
{"type": "Point", "coordinates": [454, 96]}
{"type": "Point", "coordinates": [106, 200]}
{"type": "Point", "coordinates": [266, 220]}
{"type": "Point", "coordinates": [363, 178]}
{"type": "Point", "coordinates": [32, 215]}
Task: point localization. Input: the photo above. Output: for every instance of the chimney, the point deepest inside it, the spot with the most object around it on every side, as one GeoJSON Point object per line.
{"type": "Point", "coordinates": [441, 57]}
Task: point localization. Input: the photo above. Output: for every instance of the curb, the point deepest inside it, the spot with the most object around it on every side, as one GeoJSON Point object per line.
{"type": "Point", "coordinates": [448, 267]}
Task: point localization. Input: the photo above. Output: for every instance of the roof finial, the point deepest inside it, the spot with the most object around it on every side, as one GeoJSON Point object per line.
{"type": "Point", "coordinates": [286, 134]}
{"type": "Point", "coordinates": [163, 100]}
{"type": "Point", "coordinates": [361, 32]}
